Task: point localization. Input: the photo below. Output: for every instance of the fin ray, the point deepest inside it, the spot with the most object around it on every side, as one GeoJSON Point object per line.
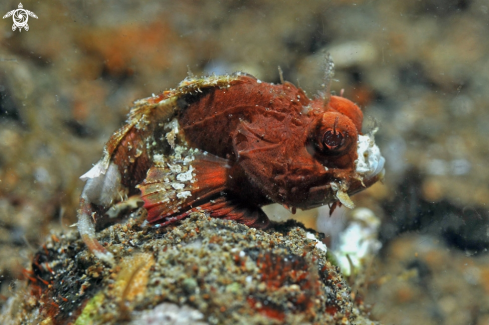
{"type": "Point", "coordinates": [172, 185]}
{"type": "Point", "coordinates": [228, 209]}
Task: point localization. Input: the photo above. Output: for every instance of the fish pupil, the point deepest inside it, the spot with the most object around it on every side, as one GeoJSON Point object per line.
{"type": "Point", "coordinates": [333, 139]}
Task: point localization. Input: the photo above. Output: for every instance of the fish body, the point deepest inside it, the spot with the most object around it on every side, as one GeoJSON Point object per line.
{"type": "Point", "coordinates": [228, 145]}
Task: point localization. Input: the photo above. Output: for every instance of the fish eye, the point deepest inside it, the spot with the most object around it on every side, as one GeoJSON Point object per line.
{"type": "Point", "coordinates": [334, 135]}
{"type": "Point", "coordinates": [333, 140]}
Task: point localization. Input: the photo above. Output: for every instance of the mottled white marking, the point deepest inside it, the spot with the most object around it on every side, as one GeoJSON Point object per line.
{"type": "Point", "coordinates": [172, 125]}
{"type": "Point", "coordinates": [159, 159]}
{"type": "Point", "coordinates": [165, 200]}
{"type": "Point", "coordinates": [188, 159]}
{"type": "Point", "coordinates": [175, 168]}
{"type": "Point", "coordinates": [184, 194]}
{"type": "Point", "coordinates": [170, 137]}
{"type": "Point", "coordinates": [370, 162]}
{"type": "Point", "coordinates": [183, 177]}
{"type": "Point", "coordinates": [177, 186]}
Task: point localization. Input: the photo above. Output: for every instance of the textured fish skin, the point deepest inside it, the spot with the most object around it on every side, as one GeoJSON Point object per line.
{"type": "Point", "coordinates": [228, 145]}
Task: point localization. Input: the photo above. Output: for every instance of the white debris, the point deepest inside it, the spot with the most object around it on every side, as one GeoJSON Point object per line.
{"type": "Point", "coordinates": [319, 244]}
{"type": "Point", "coordinates": [352, 53]}
{"type": "Point", "coordinates": [277, 212]}
{"type": "Point", "coordinates": [169, 313]}
{"type": "Point", "coordinates": [42, 175]}
{"type": "Point", "coordinates": [437, 167]}
{"type": "Point", "coordinates": [94, 172]}
{"type": "Point", "coordinates": [145, 223]}
{"type": "Point", "coordinates": [103, 188]}
{"type": "Point", "coordinates": [443, 167]}
{"type": "Point", "coordinates": [358, 240]}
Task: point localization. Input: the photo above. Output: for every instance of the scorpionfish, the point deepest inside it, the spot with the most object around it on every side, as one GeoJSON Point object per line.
{"type": "Point", "coordinates": [228, 145]}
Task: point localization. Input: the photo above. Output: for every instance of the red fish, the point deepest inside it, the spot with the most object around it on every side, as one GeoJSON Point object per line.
{"type": "Point", "coordinates": [228, 145]}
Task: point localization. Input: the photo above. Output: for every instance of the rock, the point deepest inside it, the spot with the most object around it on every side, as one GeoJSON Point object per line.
{"type": "Point", "coordinates": [203, 271]}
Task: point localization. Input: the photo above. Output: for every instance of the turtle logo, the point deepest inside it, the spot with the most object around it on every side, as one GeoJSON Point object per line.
{"type": "Point", "coordinates": [20, 16]}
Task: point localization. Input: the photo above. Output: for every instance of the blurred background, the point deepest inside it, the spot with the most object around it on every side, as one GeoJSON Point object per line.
{"type": "Point", "coordinates": [418, 69]}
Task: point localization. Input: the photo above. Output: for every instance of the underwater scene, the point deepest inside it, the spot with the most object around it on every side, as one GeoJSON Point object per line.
{"type": "Point", "coordinates": [244, 162]}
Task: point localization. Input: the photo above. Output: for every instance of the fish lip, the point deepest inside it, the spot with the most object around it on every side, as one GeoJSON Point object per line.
{"type": "Point", "coordinates": [378, 172]}
{"type": "Point", "coordinates": [370, 162]}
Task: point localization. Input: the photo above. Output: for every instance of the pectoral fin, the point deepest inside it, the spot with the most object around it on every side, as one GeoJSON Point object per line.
{"type": "Point", "coordinates": [226, 208]}
{"type": "Point", "coordinates": [174, 186]}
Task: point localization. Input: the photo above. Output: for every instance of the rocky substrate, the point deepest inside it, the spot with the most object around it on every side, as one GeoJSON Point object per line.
{"type": "Point", "coordinates": [203, 271]}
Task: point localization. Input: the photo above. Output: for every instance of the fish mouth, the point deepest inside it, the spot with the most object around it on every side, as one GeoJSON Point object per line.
{"type": "Point", "coordinates": [370, 163]}
{"type": "Point", "coordinates": [368, 169]}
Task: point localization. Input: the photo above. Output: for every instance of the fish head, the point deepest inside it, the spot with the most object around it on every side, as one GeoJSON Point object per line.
{"type": "Point", "coordinates": [338, 160]}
